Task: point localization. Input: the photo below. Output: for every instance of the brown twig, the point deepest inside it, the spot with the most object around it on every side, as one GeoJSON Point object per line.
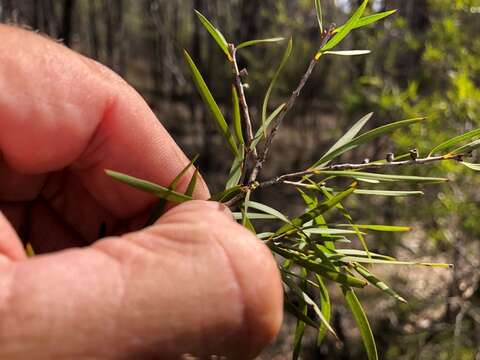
{"type": "Point", "coordinates": [291, 101]}
{"type": "Point", "coordinates": [241, 96]}
{"type": "Point", "coordinates": [362, 166]}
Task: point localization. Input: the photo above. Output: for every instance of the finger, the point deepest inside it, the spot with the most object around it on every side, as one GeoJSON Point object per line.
{"type": "Point", "coordinates": [59, 109]}
{"type": "Point", "coordinates": [194, 283]}
{"type": "Point", "coordinates": [11, 246]}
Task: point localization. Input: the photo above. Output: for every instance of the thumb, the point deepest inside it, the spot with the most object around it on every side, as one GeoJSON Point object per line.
{"type": "Point", "coordinates": [194, 283]}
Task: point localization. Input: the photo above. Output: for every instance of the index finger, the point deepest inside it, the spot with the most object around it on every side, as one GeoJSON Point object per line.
{"type": "Point", "coordinates": [59, 109]}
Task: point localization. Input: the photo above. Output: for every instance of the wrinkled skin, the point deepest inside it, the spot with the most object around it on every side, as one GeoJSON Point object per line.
{"type": "Point", "coordinates": [195, 282]}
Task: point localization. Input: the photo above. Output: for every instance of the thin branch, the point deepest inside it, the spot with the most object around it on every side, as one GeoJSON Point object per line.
{"type": "Point", "coordinates": [291, 101]}
{"type": "Point", "coordinates": [363, 166]}
{"type": "Point", "coordinates": [242, 99]}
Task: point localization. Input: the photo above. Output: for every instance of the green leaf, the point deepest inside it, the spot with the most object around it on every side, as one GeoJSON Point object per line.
{"type": "Point", "coordinates": [475, 167]}
{"type": "Point", "coordinates": [348, 52]}
{"type": "Point", "coordinates": [292, 309]}
{"type": "Point", "coordinates": [362, 323]}
{"type": "Point", "coordinates": [325, 308]}
{"type": "Point", "coordinates": [387, 192]}
{"type": "Point", "coordinates": [454, 141]}
{"type": "Point", "coordinates": [359, 175]}
{"type": "Point", "coordinates": [300, 327]}
{"type": "Point", "coordinates": [372, 279]}
{"type": "Point", "coordinates": [318, 11]}
{"type": "Point", "coordinates": [254, 216]}
{"type": "Point", "coordinates": [340, 253]}
{"type": "Point", "coordinates": [227, 194]}
{"type": "Point", "coordinates": [260, 41]}
{"type": "Point", "coordinates": [29, 250]}
{"type": "Point", "coordinates": [353, 259]}
{"type": "Point", "coordinates": [370, 19]}
{"type": "Point", "coordinates": [318, 210]}
{"type": "Point", "coordinates": [159, 208]}
{"type": "Point", "coordinates": [302, 295]}
{"type": "Point", "coordinates": [245, 220]}
{"type": "Point", "coordinates": [215, 33]}
{"type": "Point", "coordinates": [318, 268]}
{"type": "Point", "coordinates": [349, 135]}
{"type": "Point", "coordinates": [147, 186]}
{"type": "Point", "coordinates": [387, 228]}
{"type": "Point", "coordinates": [192, 184]}
{"type": "Point", "coordinates": [211, 104]}
{"type": "Point", "coordinates": [465, 149]}
{"type": "Point", "coordinates": [236, 171]}
{"type": "Point", "coordinates": [327, 231]}
{"type": "Point", "coordinates": [285, 57]}
{"type": "Point", "coordinates": [263, 128]}
{"type": "Point", "coordinates": [237, 120]}
{"type": "Point", "coordinates": [269, 210]}
{"type": "Point", "coordinates": [346, 28]}
{"type": "Point", "coordinates": [364, 138]}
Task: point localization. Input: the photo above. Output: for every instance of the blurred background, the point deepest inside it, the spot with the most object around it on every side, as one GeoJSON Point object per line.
{"type": "Point", "coordinates": [425, 61]}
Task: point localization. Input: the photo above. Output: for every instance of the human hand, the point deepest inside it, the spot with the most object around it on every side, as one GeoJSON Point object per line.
{"type": "Point", "coordinates": [195, 282]}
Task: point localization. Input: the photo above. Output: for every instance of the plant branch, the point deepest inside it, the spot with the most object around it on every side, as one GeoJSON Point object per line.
{"type": "Point", "coordinates": [242, 99]}
{"type": "Point", "coordinates": [291, 101]}
{"type": "Point", "coordinates": [363, 166]}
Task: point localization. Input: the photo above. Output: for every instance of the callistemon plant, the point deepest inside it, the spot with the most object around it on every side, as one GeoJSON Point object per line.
{"type": "Point", "coordinates": [306, 245]}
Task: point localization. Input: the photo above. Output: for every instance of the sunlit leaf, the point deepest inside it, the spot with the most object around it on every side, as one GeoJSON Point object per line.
{"type": "Point", "coordinates": [254, 216]}
{"type": "Point", "coordinates": [387, 228]}
{"type": "Point", "coordinates": [359, 175]}
{"type": "Point", "coordinates": [260, 41]}
{"type": "Point", "coordinates": [362, 323]}
{"type": "Point", "coordinates": [215, 33]}
{"type": "Point", "coordinates": [370, 19]}
{"type": "Point", "coordinates": [285, 57]}
{"type": "Point", "coordinates": [147, 186]}
{"type": "Point", "coordinates": [465, 149]}
{"type": "Point", "coordinates": [364, 138]}
{"type": "Point", "coordinates": [475, 167]}
{"type": "Point", "coordinates": [454, 141]}
{"type": "Point", "coordinates": [394, 262]}
{"type": "Point", "coordinates": [387, 192]}
{"type": "Point", "coordinates": [346, 28]}
{"type": "Point", "coordinates": [348, 52]}
{"type": "Point", "coordinates": [269, 210]}
{"type": "Point", "coordinates": [211, 104]}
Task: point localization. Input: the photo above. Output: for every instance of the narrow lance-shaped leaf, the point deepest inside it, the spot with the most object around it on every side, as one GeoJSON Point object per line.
{"type": "Point", "coordinates": [236, 170]}
{"type": "Point", "coordinates": [147, 186]}
{"type": "Point", "coordinates": [359, 175]}
{"type": "Point", "coordinates": [370, 19]}
{"type": "Point", "coordinates": [259, 41]}
{"type": "Point", "coordinates": [362, 323]}
{"type": "Point", "coordinates": [349, 135]}
{"type": "Point", "coordinates": [346, 28]}
{"type": "Point", "coordinates": [301, 294]}
{"type": "Point", "coordinates": [454, 141]}
{"type": "Point", "coordinates": [227, 194]}
{"type": "Point", "coordinates": [318, 11]}
{"type": "Point", "coordinates": [318, 268]}
{"type": "Point", "coordinates": [364, 138]}
{"type": "Point", "coordinates": [397, 193]}
{"type": "Point", "coordinates": [192, 184]}
{"type": "Point", "coordinates": [268, 210]}
{"type": "Point", "coordinates": [475, 167]}
{"type": "Point", "coordinates": [325, 308]}
{"type": "Point", "coordinates": [465, 149]}
{"type": "Point", "coordinates": [348, 52]}
{"type": "Point", "coordinates": [211, 105]}
{"type": "Point", "coordinates": [159, 208]}
{"type": "Point", "coordinates": [353, 259]}
{"type": "Point", "coordinates": [300, 326]}
{"type": "Point", "coordinates": [237, 120]}
{"type": "Point", "coordinates": [263, 128]}
{"type": "Point", "coordinates": [215, 33]}
{"type": "Point", "coordinates": [285, 57]}
{"type": "Point", "coordinates": [320, 209]}
{"type": "Point", "coordinates": [372, 279]}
